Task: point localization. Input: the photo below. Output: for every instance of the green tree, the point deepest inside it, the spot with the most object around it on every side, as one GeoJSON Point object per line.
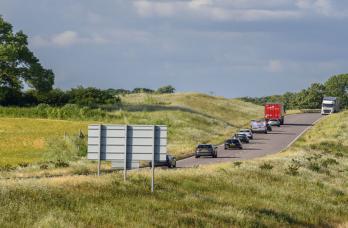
{"type": "Point", "coordinates": [312, 97]}
{"type": "Point", "coordinates": [91, 97]}
{"type": "Point", "coordinates": [142, 90]}
{"type": "Point", "coordinates": [166, 89]}
{"type": "Point", "coordinates": [337, 86]}
{"type": "Point", "coordinates": [18, 64]}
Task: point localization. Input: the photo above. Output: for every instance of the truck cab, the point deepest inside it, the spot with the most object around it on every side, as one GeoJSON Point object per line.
{"type": "Point", "coordinates": [330, 105]}
{"type": "Point", "coordinates": [275, 111]}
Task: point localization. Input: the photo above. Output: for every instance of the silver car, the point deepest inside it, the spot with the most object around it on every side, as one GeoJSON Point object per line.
{"type": "Point", "coordinates": [246, 132]}
{"type": "Point", "coordinates": [274, 122]}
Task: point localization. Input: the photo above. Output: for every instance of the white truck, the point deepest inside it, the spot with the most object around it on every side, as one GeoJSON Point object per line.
{"type": "Point", "coordinates": [330, 105]}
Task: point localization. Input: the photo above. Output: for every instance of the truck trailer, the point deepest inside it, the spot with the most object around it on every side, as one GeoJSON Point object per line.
{"type": "Point", "coordinates": [274, 111]}
{"type": "Point", "coordinates": [330, 105]}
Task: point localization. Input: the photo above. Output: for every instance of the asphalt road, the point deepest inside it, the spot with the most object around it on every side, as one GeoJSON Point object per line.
{"type": "Point", "coordinates": [262, 144]}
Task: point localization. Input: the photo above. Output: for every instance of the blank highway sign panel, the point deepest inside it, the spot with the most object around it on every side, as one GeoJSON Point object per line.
{"type": "Point", "coordinates": [110, 142]}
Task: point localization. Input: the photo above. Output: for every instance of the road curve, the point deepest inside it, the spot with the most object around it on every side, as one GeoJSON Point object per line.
{"type": "Point", "coordinates": [263, 144]}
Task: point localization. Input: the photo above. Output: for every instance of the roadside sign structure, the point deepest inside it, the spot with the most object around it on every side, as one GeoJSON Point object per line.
{"type": "Point", "coordinates": [126, 145]}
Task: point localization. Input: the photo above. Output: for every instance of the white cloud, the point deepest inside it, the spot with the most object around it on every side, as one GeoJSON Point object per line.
{"type": "Point", "coordinates": [321, 7]}
{"type": "Point", "coordinates": [215, 10]}
{"type": "Point", "coordinates": [146, 8]}
{"type": "Point", "coordinates": [238, 10]}
{"type": "Point", "coordinates": [66, 38]}
{"type": "Point", "coordinates": [274, 66]}
{"type": "Point", "coordinates": [70, 38]}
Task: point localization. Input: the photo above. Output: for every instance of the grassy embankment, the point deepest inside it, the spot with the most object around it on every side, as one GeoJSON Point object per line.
{"type": "Point", "coordinates": [305, 186]}
{"type": "Point", "coordinates": [192, 119]}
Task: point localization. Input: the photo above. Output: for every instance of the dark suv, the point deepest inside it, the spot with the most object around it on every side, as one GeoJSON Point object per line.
{"type": "Point", "coordinates": [233, 143]}
{"type": "Point", "coordinates": [170, 162]}
{"type": "Point", "coordinates": [206, 150]}
{"type": "Point", "coordinates": [242, 137]}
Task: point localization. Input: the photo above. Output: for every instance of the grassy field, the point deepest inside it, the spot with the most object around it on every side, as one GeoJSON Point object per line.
{"type": "Point", "coordinates": [24, 140]}
{"type": "Point", "coordinates": [305, 186]}
{"type": "Point", "coordinates": [191, 118]}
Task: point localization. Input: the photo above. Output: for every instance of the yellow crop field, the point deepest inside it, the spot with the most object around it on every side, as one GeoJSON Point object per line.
{"type": "Point", "coordinates": [23, 139]}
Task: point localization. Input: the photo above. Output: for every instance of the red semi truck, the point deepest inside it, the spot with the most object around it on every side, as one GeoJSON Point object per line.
{"type": "Point", "coordinates": [274, 111]}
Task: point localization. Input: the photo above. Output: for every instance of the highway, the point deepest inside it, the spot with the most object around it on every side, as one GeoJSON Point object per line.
{"type": "Point", "coordinates": [262, 144]}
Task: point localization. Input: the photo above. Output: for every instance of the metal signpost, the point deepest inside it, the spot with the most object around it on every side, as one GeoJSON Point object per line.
{"type": "Point", "coordinates": [126, 145]}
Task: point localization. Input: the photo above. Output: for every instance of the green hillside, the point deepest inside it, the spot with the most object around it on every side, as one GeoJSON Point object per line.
{"type": "Point", "coordinates": [191, 118]}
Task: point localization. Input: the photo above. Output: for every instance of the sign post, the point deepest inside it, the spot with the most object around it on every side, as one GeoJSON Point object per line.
{"type": "Point", "coordinates": [125, 152]}
{"type": "Point", "coordinates": [99, 150]}
{"type": "Point", "coordinates": [126, 145]}
{"type": "Point", "coordinates": [153, 160]}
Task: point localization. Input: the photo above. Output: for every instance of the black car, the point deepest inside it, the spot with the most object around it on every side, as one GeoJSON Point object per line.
{"type": "Point", "coordinates": [269, 127]}
{"type": "Point", "coordinates": [242, 137]}
{"type": "Point", "coordinates": [170, 162]}
{"type": "Point", "coordinates": [233, 143]}
{"type": "Point", "coordinates": [206, 150]}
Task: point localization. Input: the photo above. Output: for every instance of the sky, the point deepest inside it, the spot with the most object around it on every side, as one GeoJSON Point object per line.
{"type": "Point", "coordinates": [229, 48]}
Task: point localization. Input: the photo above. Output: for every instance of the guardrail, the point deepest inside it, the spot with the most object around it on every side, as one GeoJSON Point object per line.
{"type": "Point", "coordinates": [310, 110]}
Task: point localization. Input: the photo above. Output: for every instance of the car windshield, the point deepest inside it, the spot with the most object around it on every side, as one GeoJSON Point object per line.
{"type": "Point", "coordinates": [204, 146]}
{"type": "Point", "coordinates": [328, 105]}
{"type": "Point", "coordinates": [241, 135]}
{"type": "Point", "coordinates": [244, 131]}
{"type": "Point", "coordinates": [234, 141]}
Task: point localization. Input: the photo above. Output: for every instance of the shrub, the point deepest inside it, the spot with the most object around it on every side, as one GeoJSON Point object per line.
{"type": "Point", "coordinates": [293, 168]}
{"type": "Point", "coordinates": [339, 154]}
{"type": "Point", "coordinates": [65, 149]}
{"type": "Point", "coordinates": [266, 166]}
{"type": "Point", "coordinates": [23, 164]}
{"type": "Point", "coordinates": [329, 147]}
{"type": "Point", "coordinates": [329, 161]}
{"type": "Point", "coordinates": [237, 163]}
{"type": "Point", "coordinates": [81, 170]}
{"type": "Point", "coordinates": [314, 166]}
{"type": "Point", "coordinates": [67, 112]}
{"type": "Point", "coordinates": [166, 89]}
{"type": "Point", "coordinates": [44, 166]}
{"type": "Point", "coordinates": [61, 164]}
{"type": "Point", "coordinates": [7, 168]}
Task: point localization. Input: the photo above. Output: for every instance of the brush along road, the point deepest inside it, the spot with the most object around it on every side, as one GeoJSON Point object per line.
{"type": "Point", "coordinates": [262, 144]}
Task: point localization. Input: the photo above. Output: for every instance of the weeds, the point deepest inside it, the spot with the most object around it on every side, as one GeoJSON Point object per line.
{"type": "Point", "coordinates": [23, 164]}
{"type": "Point", "coordinates": [7, 168]}
{"type": "Point", "coordinates": [314, 166]}
{"type": "Point", "coordinates": [293, 167]}
{"type": "Point", "coordinates": [81, 170]}
{"type": "Point", "coordinates": [266, 166]}
{"type": "Point", "coordinates": [43, 166]}
{"type": "Point", "coordinates": [61, 164]}
{"type": "Point", "coordinates": [329, 161]}
{"type": "Point", "coordinates": [237, 163]}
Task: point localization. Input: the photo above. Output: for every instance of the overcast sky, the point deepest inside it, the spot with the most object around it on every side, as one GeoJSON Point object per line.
{"type": "Point", "coordinates": [230, 47]}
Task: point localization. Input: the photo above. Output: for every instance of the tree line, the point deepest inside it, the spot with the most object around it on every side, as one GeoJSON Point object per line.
{"type": "Point", "coordinates": [88, 97]}
{"type": "Point", "coordinates": [20, 68]}
{"type": "Point", "coordinates": [310, 98]}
